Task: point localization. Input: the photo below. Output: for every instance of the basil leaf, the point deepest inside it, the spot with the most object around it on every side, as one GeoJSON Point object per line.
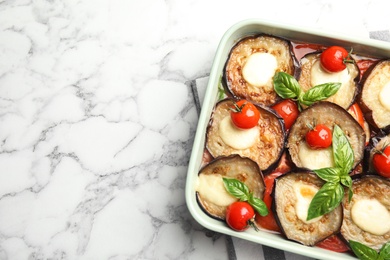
{"type": "Point", "coordinates": [319, 92]}
{"type": "Point", "coordinates": [236, 188]}
{"type": "Point", "coordinates": [325, 200]}
{"type": "Point", "coordinates": [328, 174]}
{"type": "Point", "coordinates": [258, 205]}
{"type": "Point", "coordinates": [385, 251]}
{"type": "Point", "coordinates": [342, 151]}
{"type": "Point", "coordinates": [363, 252]}
{"type": "Point", "coordinates": [286, 86]}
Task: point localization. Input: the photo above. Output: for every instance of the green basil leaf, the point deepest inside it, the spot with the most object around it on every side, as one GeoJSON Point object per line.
{"type": "Point", "coordinates": [258, 205]}
{"type": "Point", "coordinates": [286, 86]}
{"type": "Point", "coordinates": [385, 251]}
{"type": "Point", "coordinates": [342, 151]}
{"type": "Point", "coordinates": [325, 200]}
{"type": "Point", "coordinates": [319, 92]}
{"type": "Point", "coordinates": [363, 252]}
{"type": "Point", "coordinates": [328, 174]}
{"type": "Point", "coordinates": [236, 188]}
{"type": "Point", "coordinates": [221, 91]}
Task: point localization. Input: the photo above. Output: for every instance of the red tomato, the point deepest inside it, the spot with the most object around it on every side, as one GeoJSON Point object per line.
{"type": "Point", "coordinates": [333, 243]}
{"type": "Point", "coordinates": [381, 161]}
{"type": "Point", "coordinates": [333, 59]}
{"type": "Point", "coordinates": [357, 114]}
{"type": "Point", "coordinates": [239, 214]}
{"type": "Point", "coordinates": [319, 137]}
{"type": "Point", "coordinates": [288, 110]}
{"type": "Point", "coordinates": [245, 115]}
{"type": "Point", "coordinates": [268, 222]}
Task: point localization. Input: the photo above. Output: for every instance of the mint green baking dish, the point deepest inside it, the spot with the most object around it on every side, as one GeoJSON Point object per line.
{"type": "Point", "coordinates": [248, 27]}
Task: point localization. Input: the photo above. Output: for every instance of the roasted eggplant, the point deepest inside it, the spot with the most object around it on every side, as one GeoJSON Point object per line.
{"type": "Point", "coordinates": [293, 193]}
{"type": "Point", "coordinates": [367, 215]}
{"type": "Point", "coordinates": [251, 65]}
{"type": "Point", "coordinates": [211, 193]}
{"type": "Point", "coordinates": [264, 143]}
{"type": "Point", "coordinates": [313, 74]}
{"type": "Point", "coordinates": [375, 95]}
{"type": "Point", "coordinates": [329, 114]}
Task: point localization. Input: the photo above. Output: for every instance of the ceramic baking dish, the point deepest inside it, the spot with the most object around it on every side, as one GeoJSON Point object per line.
{"type": "Point", "coordinates": [244, 28]}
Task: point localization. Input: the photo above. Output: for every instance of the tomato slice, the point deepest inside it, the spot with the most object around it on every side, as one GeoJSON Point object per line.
{"type": "Point", "coordinates": [358, 114]}
{"type": "Point", "coordinates": [268, 222]}
{"type": "Point", "coordinates": [333, 243]}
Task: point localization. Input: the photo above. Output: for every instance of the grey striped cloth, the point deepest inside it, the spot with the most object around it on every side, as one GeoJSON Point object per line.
{"type": "Point", "coordinates": [238, 248]}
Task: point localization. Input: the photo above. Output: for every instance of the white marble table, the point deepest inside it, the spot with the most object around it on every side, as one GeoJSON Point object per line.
{"type": "Point", "coordinates": [97, 119]}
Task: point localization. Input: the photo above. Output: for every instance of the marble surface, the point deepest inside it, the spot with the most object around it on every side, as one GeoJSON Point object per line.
{"type": "Point", "coordinates": [98, 116]}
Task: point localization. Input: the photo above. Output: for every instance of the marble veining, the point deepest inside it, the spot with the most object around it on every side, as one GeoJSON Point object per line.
{"type": "Point", "coordinates": [99, 102]}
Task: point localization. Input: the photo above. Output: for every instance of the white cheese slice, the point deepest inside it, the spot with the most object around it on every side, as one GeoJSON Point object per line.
{"type": "Point", "coordinates": [259, 68]}
{"type": "Point", "coordinates": [320, 76]}
{"type": "Point", "coordinates": [211, 188]}
{"type": "Point", "coordinates": [235, 137]}
{"type": "Point", "coordinates": [304, 194]}
{"type": "Point", "coordinates": [315, 159]}
{"type": "Point", "coordinates": [384, 96]}
{"type": "Point", "coordinates": [371, 216]}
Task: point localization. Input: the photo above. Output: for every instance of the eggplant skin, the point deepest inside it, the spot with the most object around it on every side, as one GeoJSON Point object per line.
{"type": "Point", "coordinates": [269, 145]}
{"type": "Point", "coordinates": [233, 79]}
{"type": "Point", "coordinates": [365, 186]}
{"type": "Point", "coordinates": [346, 95]}
{"type": "Point", "coordinates": [329, 114]}
{"type": "Point", "coordinates": [372, 82]}
{"type": "Point", "coordinates": [292, 227]}
{"type": "Point", "coordinates": [233, 166]}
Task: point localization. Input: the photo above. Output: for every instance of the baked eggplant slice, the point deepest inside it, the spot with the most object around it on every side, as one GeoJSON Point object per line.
{"type": "Point", "coordinates": [211, 193]}
{"type": "Point", "coordinates": [313, 74]}
{"type": "Point", "coordinates": [375, 95]}
{"type": "Point", "coordinates": [293, 193]}
{"type": "Point", "coordinates": [251, 65]}
{"type": "Point", "coordinates": [329, 114]}
{"type": "Point", "coordinates": [264, 143]}
{"type": "Point", "coordinates": [367, 215]}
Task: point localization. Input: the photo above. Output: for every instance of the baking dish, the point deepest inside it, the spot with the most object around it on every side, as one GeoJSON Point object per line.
{"type": "Point", "coordinates": [366, 47]}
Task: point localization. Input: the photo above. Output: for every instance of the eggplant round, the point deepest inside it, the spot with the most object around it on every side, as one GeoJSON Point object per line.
{"type": "Point", "coordinates": [329, 114]}
{"type": "Point", "coordinates": [367, 215]}
{"type": "Point", "coordinates": [313, 74]}
{"type": "Point", "coordinates": [265, 147]}
{"type": "Point", "coordinates": [211, 194]}
{"type": "Point", "coordinates": [248, 71]}
{"type": "Point", "coordinates": [292, 195]}
{"type": "Point", "coordinates": [374, 98]}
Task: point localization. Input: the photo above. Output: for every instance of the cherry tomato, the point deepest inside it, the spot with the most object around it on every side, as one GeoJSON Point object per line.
{"type": "Point", "coordinates": [333, 243]}
{"type": "Point", "coordinates": [268, 222]}
{"type": "Point", "coordinates": [333, 59]}
{"type": "Point", "coordinates": [239, 214]}
{"type": "Point", "coordinates": [381, 161]}
{"type": "Point", "coordinates": [357, 114]}
{"type": "Point", "coordinates": [319, 137]}
{"type": "Point", "coordinates": [245, 115]}
{"type": "Point", "coordinates": [288, 110]}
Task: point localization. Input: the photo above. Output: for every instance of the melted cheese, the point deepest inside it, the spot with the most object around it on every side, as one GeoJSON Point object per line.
{"type": "Point", "coordinates": [315, 159]}
{"type": "Point", "coordinates": [259, 68]}
{"type": "Point", "coordinates": [304, 194]}
{"type": "Point", "coordinates": [212, 189]}
{"type": "Point", "coordinates": [320, 76]}
{"type": "Point", "coordinates": [384, 96]}
{"type": "Point", "coordinates": [235, 137]}
{"type": "Point", "coordinates": [371, 216]}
